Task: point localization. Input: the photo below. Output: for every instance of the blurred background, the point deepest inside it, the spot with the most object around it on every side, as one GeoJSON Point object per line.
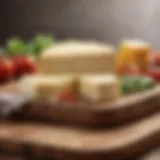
{"type": "Point", "coordinates": [106, 20]}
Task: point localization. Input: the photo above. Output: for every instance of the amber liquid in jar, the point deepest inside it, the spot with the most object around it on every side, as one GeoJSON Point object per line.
{"type": "Point", "coordinates": [136, 52]}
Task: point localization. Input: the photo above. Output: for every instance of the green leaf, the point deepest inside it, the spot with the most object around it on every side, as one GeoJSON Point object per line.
{"type": "Point", "coordinates": [127, 84]}
{"type": "Point", "coordinates": [147, 83]}
{"type": "Point", "coordinates": [137, 83]}
{"type": "Point", "coordinates": [42, 42]}
{"type": "Point", "coordinates": [132, 84]}
{"type": "Point", "coordinates": [15, 46]}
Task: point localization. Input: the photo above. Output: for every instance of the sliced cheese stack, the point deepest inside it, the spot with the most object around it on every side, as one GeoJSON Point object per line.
{"type": "Point", "coordinates": [78, 57]}
{"type": "Point", "coordinates": [100, 87]}
{"type": "Point", "coordinates": [87, 67]}
{"type": "Point", "coordinates": [46, 87]}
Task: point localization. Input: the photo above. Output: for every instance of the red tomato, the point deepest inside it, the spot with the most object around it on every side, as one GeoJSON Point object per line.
{"type": "Point", "coordinates": [155, 73]}
{"type": "Point", "coordinates": [6, 69]}
{"type": "Point", "coordinates": [68, 97]}
{"type": "Point", "coordinates": [131, 70]}
{"type": "Point", "coordinates": [24, 65]}
{"type": "Point", "coordinates": [156, 59]}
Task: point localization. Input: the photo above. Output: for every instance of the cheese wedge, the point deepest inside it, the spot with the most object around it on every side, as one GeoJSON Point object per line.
{"type": "Point", "coordinates": [77, 57]}
{"type": "Point", "coordinates": [45, 87]}
{"type": "Point", "coordinates": [100, 87]}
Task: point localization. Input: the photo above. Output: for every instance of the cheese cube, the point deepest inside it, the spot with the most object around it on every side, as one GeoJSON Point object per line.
{"type": "Point", "coordinates": [100, 87]}
{"type": "Point", "coordinates": [27, 86]}
{"type": "Point", "coordinates": [78, 58]}
{"type": "Point", "coordinates": [45, 87]}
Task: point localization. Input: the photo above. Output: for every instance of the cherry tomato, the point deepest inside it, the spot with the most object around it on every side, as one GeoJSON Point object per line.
{"type": "Point", "coordinates": [24, 65]}
{"type": "Point", "coordinates": [131, 70]}
{"type": "Point", "coordinates": [156, 59]}
{"type": "Point", "coordinates": [6, 69]}
{"type": "Point", "coordinates": [154, 73]}
{"type": "Point", "coordinates": [68, 97]}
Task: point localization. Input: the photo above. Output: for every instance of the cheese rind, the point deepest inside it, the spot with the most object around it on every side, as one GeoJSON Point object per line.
{"type": "Point", "coordinates": [100, 87]}
{"type": "Point", "coordinates": [78, 58]}
{"type": "Point", "coordinates": [45, 87]}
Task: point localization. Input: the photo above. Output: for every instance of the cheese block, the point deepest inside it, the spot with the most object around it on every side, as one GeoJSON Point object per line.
{"type": "Point", "coordinates": [100, 87]}
{"type": "Point", "coordinates": [78, 57]}
{"type": "Point", "coordinates": [45, 87]}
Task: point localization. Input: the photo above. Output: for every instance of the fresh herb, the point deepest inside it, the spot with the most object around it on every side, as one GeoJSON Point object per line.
{"type": "Point", "coordinates": [35, 47]}
{"type": "Point", "coordinates": [15, 46]}
{"type": "Point", "coordinates": [132, 84]}
{"type": "Point", "coordinates": [40, 43]}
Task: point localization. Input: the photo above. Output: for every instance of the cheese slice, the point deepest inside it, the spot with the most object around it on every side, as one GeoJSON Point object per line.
{"type": "Point", "coordinates": [78, 57]}
{"type": "Point", "coordinates": [45, 87]}
{"type": "Point", "coordinates": [100, 87]}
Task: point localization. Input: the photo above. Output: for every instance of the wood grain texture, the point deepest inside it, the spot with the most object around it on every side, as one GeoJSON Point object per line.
{"type": "Point", "coordinates": [69, 143]}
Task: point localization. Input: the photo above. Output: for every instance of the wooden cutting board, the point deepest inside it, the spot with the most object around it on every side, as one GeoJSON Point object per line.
{"type": "Point", "coordinates": [64, 143]}
{"type": "Point", "coordinates": [154, 155]}
{"type": "Point", "coordinates": [85, 114]}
